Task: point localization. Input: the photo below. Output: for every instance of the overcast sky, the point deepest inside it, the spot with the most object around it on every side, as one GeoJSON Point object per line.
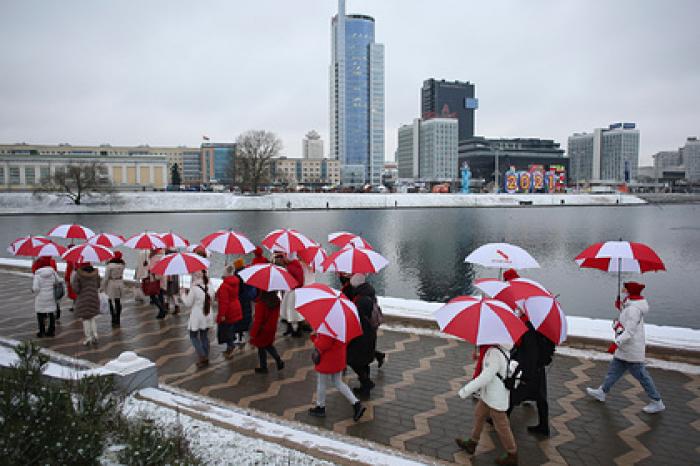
{"type": "Point", "coordinates": [167, 72]}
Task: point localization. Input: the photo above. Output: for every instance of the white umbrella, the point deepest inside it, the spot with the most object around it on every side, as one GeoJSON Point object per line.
{"type": "Point", "coordinates": [502, 256]}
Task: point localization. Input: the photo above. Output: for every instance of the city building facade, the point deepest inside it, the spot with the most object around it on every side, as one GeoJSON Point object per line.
{"type": "Point", "coordinates": [605, 156]}
{"type": "Point", "coordinates": [312, 146]}
{"type": "Point", "coordinates": [427, 150]}
{"type": "Point", "coordinates": [356, 98]}
{"type": "Point", "coordinates": [691, 158]}
{"type": "Point", "coordinates": [314, 173]}
{"type": "Point", "coordinates": [217, 162]}
{"type": "Point", "coordinates": [450, 99]}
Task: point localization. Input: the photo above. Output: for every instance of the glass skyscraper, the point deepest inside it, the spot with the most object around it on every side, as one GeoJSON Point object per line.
{"type": "Point", "coordinates": [357, 99]}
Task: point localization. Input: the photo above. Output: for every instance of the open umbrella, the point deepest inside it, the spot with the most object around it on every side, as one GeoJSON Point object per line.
{"type": "Point", "coordinates": [87, 252]}
{"type": "Point", "coordinates": [228, 242]}
{"type": "Point", "coordinates": [147, 241]}
{"type": "Point", "coordinates": [268, 277]}
{"type": "Point", "coordinates": [314, 256]}
{"type": "Point", "coordinates": [328, 311]}
{"type": "Point", "coordinates": [496, 289]}
{"type": "Point", "coordinates": [344, 238]}
{"type": "Point", "coordinates": [107, 240]}
{"type": "Point", "coordinates": [355, 260]}
{"type": "Point", "coordinates": [74, 231]}
{"type": "Point", "coordinates": [481, 321]}
{"type": "Point", "coordinates": [26, 245]}
{"type": "Point", "coordinates": [180, 263]}
{"type": "Point", "coordinates": [287, 240]}
{"type": "Point", "coordinates": [198, 249]}
{"type": "Point", "coordinates": [548, 318]}
{"type": "Point", "coordinates": [173, 240]}
{"type": "Point", "coordinates": [502, 256]}
{"type": "Point", "coordinates": [49, 249]}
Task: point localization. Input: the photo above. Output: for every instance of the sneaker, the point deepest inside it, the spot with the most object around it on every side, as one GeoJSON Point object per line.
{"type": "Point", "coordinates": [261, 370]}
{"type": "Point", "coordinates": [87, 342]}
{"type": "Point", "coordinates": [654, 407]}
{"type": "Point", "coordinates": [357, 411]}
{"type": "Point", "coordinates": [317, 411]}
{"type": "Point", "coordinates": [596, 393]}
{"type": "Point", "coordinates": [469, 445]}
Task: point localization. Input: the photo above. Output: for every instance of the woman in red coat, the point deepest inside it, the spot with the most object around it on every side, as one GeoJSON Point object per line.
{"type": "Point", "coordinates": [329, 368]}
{"type": "Point", "coordinates": [230, 310]}
{"type": "Point", "coordinates": [262, 333]}
{"type": "Point", "coordinates": [70, 267]}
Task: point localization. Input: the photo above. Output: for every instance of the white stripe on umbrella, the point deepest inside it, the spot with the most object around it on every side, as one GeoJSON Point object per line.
{"type": "Point", "coordinates": [228, 242]}
{"type": "Point", "coordinates": [328, 311]}
{"type": "Point", "coordinates": [181, 263]}
{"type": "Point", "coordinates": [344, 238]}
{"type": "Point", "coordinates": [50, 250]}
{"type": "Point", "coordinates": [287, 240]}
{"type": "Point", "coordinates": [173, 240]}
{"type": "Point", "coordinates": [548, 318]}
{"type": "Point", "coordinates": [87, 253]}
{"type": "Point", "coordinates": [25, 246]}
{"type": "Point", "coordinates": [355, 260]}
{"type": "Point", "coordinates": [268, 277]}
{"type": "Point", "coordinates": [74, 231]}
{"type": "Point", "coordinates": [145, 241]}
{"type": "Point", "coordinates": [491, 328]}
{"type": "Point", "coordinates": [314, 256]}
{"type": "Point", "coordinates": [620, 256]}
{"type": "Point", "coordinates": [108, 240]}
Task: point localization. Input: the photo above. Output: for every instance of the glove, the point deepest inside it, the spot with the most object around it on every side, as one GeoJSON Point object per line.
{"type": "Point", "coordinates": [612, 348]}
{"type": "Point", "coordinates": [463, 392]}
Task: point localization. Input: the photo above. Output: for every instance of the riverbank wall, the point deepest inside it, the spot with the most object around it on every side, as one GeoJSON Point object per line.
{"type": "Point", "coordinates": [671, 198]}
{"type": "Point", "coordinates": [148, 202]}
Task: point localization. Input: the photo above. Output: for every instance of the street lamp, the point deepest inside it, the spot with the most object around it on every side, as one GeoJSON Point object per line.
{"type": "Point", "coordinates": [497, 187]}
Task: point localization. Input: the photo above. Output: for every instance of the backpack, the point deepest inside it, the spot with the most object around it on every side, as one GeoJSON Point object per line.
{"type": "Point", "coordinates": [207, 300]}
{"type": "Point", "coordinates": [377, 317]}
{"type": "Point", "coordinates": [514, 373]}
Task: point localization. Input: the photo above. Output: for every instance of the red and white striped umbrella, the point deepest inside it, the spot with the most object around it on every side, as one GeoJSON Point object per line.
{"type": "Point", "coordinates": [502, 256]}
{"type": "Point", "coordinates": [49, 249]}
{"type": "Point", "coordinates": [87, 252]}
{"type": "Point", "coordinates": [146, 241]}
{"type": "Point", "coordinates": [355, 260]}
{"type": "Point", "coordinates": [107, 240]}
{"type": "Point", "coordinates": [496, 289]}
{"type": "Point", "coordinates": [547, 317]}
{"type": "Point", "coordinates": [481, 321]}
{"type": "Point", "coordinates": [26, 245]}
{"type": "Point", "coordinates": [344, 238]}
{"type": "Point", "coordinates": [228, 242]}
{"type": "Point", "coordinates": [328, 311]}
{"type": "Point", "coordinates": [173, 240]}
{"type": "Point", "coordinates": [314, 256]}
{"type": "Point", "coordinates": [74, 231]}
{"type": "Point", "coordinates": [620, 256]}
{"type": "Point", "coordinates": [268, 277]}
{"type": "Point", "coordinates": [287, 240]}
{"type": "Point", "coordinates": [198, 249]}
{"type": "Point", "coordinates": [180, 263]}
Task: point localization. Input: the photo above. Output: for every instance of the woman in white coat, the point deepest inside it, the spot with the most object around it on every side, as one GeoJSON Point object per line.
{"type": "Point", "coordinates": [198, 299]}
{"type": "Point", "coordinates": [494, 402]}
{"type": "Point", "coordinates": [44, 302]}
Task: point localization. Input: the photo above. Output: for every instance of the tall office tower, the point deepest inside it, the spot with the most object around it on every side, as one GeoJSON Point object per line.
{"type": "Point", "coordinates": [312, 146]}
{"type": "Point", "coordinates": [427, 150]}
{"type": "Point", "coordinates": [356, 99]}
{"type": "Point", "coordinates": [450, 99]}
{"type": "Point", "coordinates": [608, 154]}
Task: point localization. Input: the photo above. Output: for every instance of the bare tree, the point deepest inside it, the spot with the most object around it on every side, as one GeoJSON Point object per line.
{"type": "Point", "coordinates": [76, 181]}
{"type": "Point", "coordinates": [254, 153]}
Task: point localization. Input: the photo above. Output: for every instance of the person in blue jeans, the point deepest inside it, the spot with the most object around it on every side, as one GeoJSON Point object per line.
{"type": "Point", "coordinates": [198, 299]}
{"type": "Point", "coordinates": [628, 349]}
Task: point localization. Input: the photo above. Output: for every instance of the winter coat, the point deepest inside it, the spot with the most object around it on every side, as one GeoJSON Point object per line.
{"type": "Point", "coordinates": [163, 280]}
{"type": "Point", "coordinates": [288, 309]}
{"type": "Point", "coordinates": [246, 295]}
{"type": "Point", "coordinates": [113, 284]}
{"type": "Point", "coordinates": [365, 289]}
{"type": "Point", "coordinates": [631, 342]}
{"type": "Point", "coordinates": [42, 286]}
{"type": "Point", "coordinates": [262, 333]}
{"type": "Point", "coordinates": [295, 269]}
{"type": "Point", "coordinates": [70, 268]}
{"type": "Point", "coordinates": [86, 284]}
{"type": "Point", "coordinates": [361, 350]}
{"type": "Point", "coordinates": [309, 275]}
{"type": "Point", "coordinates": [194, 299]}
{"type": "Point", "coordinates": [533, 354]}
{"type": "Point", "coordinates": [333, 354]}
{"type": "Point", "coordinates": [142, 266]}
{"type": "Point", "coordinates": [227, 296]}
{"type": "Point", "coordinates": [493, 392]}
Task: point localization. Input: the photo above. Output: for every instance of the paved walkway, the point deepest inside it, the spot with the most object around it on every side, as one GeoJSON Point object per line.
{"type": "Point", "coordinates": [414, 406]}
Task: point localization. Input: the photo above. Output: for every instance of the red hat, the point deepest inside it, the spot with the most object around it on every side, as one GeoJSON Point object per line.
{"type": "Point", "coordinates": [258, 252]}
{"type": "Point", "coordinates": [510, 274]}
{"type": "Point", "coordinates": [117, 254]}
{"type": "Point", "coordinates": [634, 288]}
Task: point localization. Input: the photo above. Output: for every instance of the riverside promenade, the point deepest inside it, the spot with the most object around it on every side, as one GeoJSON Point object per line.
{"type": "Point", "coordinates": [414, 406]}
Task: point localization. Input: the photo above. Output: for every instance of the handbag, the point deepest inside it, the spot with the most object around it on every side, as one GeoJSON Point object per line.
{"type": "Point", "coordinates": [104, 303]}
{"type": "Point", "coordinates": [59, 291]}
{"type": "Point", "coordinates": [316, 357]}
{"type": "Point", "coordinates": [150, 286]}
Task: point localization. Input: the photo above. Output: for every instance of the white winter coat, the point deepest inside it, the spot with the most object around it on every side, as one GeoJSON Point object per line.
{"type": "Point", "coordinates": [142, 266]}
{"type": "Point", "coordinates": [42, 287]}
{"type": "Point", "coordinates": [631, 342]}
{"type": "Point", "coordinates": [493, 392]}
{"type": "Point", "coordinates": [113, 283]}
{"type": "Point", "coordinates": [194, 299]}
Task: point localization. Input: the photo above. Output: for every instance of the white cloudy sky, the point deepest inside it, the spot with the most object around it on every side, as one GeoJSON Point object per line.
{"type": "Point", "coordinates": [166, 72]}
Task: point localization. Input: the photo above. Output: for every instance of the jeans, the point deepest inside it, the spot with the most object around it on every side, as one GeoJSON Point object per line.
{"type": "Point", "coordinates": [159, 302]}
{"type": "Point", "coordinates": [262, 355]}
{"type": "Point", "coordinates": [337, 380]}
{"type": "Point", "coordinates": [115, 309]}
{"type": "Point", "coordinates": [500, 423]}
{"type": "Point", "coordinates": [637, 369]}
{"type": "Point", "coordinates": [200, 341]}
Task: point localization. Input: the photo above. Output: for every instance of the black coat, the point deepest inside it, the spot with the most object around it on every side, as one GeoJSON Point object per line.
{"type": "Point", "coordinates": [361, 350]}
{"type": "Point", "coordinates": [533, 355]}
{"type": "Point", "coordinates": [363, 290]}
{"type": "Point", "coordinates": [246, 295]}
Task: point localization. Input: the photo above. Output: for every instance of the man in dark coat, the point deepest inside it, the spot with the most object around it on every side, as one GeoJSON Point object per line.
{"type": "Point", "coordinates": [361, 350]}
{"type": "Point", "coordinates": [359, 287]}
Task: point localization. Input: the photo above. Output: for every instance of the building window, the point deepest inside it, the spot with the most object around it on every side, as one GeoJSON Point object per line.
{"type": "Point", "coordinates": [2, 175]}
{"type": "Point", "coordinates": [29, 175]}
{"type": "Point", "coordinates": [14, 175]}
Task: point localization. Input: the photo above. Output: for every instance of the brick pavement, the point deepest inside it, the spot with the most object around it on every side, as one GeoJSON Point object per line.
{"type": "Point", "coordinates": [414, 406]}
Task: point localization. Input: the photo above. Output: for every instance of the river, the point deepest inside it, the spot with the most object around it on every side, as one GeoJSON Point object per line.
{"type": "Point", "coordinates": [426, 247]}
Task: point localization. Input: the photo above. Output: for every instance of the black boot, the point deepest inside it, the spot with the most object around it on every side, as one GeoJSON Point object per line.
{"type": "Point", "coordinates": [317, 411]}
{"type": "Point", "coordinates": [41, 319]}
{"type": "Point", "coordinates": [118, 311]}
{"type": "Point", "coordinates": [379, 356]}
{"type": "Point", "coordinates": [539, 430]}
{"type": "Point", "coordinates": [357, 411]}
{"type": "Point", "coordinates": [289, 330]}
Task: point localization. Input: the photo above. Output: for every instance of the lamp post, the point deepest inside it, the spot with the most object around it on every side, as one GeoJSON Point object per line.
{"type": "Point", "coordinates": [497, 186]}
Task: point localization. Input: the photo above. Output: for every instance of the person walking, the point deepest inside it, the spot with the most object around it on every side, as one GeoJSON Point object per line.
{"type": "Point", "coordinates": [113, 286]}
{"type": "Point", "coordinates": [246, 295]}
{"type": "Point", "coordinates": [330, 360]}
{"type": "Point", "coordinates": [629, 348]}
{"type": "Point", "coordinates": [288, 309]}
{"type": "Point", "coordinates": [357, 286]}
{"type": "Point", "coordinates": [140, 274]}
{"type": "Point", "coordinates": [49, 261]}
{"type": "Point", "coordinates": [361, 350]}
{"type": "Point", "coordinates": [493, 402]}
{"type": "Point", "coordinates": [45, 277]}
{"type": "Point", "coordinates": [200, 321]}
{"type": "Point", "coordinates": [159, 298]}
{"type": "Point", "coordinates": [70, 268]}
{"type": "Point", "coordinates": [85, 281]}
{"type": "Point", "coordinates": [230, 310]}
{"type": "Point", "coordinates": [262, 333]}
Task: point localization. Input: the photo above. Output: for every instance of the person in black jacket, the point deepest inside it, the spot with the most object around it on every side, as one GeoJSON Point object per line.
{"type": "Point", "coordinates": [359, 287]}
{"type": "Point", "coordinates": [361, 350]}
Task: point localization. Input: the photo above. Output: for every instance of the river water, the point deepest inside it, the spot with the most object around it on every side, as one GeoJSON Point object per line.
{"type": "Point", "coordinates": [426, 247]}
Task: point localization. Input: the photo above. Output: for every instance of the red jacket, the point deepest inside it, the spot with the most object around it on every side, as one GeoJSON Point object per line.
{"type": "Point", "coordinates": [333, 354]}
{"type": "Point", "coordinates": [230, 310]}
{"type": "Point", "coordinates": [262, 333]}
{"type": "Point", "coordinates": [70, 266]}
{"type": "Point", "coordinates": [294, 268]}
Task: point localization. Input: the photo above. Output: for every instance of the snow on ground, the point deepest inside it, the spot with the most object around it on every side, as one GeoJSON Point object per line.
{"type": "Point", "coordinates": [17, 203]}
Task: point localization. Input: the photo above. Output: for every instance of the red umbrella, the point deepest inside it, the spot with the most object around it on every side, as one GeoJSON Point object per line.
{"type": "Point", "coordinates": [481, 321]}
{"type": "Point", "coordinates": [344, 238]}
{"type": "Point", "coordinates": [26, 245]}
{"type": "Point", "coordinates": [87, 252]}
{"type": "Point", "coordinates": [287, 240]}
{"type": "Point", "coordinates": [181, 263]}
{"type": "Point", "coordinates": [49, 250]}
{"type": "Point", "coordinates": [173, 240]}
{"type": "Point", "coordinates": [107, 240]}
{"type": "Point", "coordinates": [74, 231]}
{"type": "Point", "coordinates": [355, 260]}
{"type": "Point", "coordinates": [496, 289]}
{"type": "Point", "coordinates": [268, 277]}
{"type": "Point", "coordinates": [146, 241]}
{"type": "Point", "coordinates": [228, 242]}
{"type": "Point", "coordinates": [546, 315]}
{"type": "Point", "coordinates": [328, 311]}
{"type": "Point", "coordinates": [314, 256]}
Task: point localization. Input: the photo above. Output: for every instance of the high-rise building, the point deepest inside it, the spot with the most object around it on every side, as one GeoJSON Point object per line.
{"type": "Point", "coordinates": [666, 159]}
{"type": "Point", "coordinates": [356, 98]}
{"type": "Point", "coordinates": [450, 99]}
{"type": "Point", "coordinates": [427, 150]}
{"type": "Point", "coordinates": [312, 146]}
{"type": "Point", "coordinates": [606, 155]}
{"type": "Point", "coordinates": [407, 150]}
{"type": "Point", "coordinates": [691, 159]}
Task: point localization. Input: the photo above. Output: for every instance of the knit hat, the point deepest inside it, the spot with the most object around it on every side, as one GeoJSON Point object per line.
{"type": "Point", "coordinates": [510, 274]}
{"type": "Point", "coordinates": [258, 252]}
{"type": "Point", "coordinates": [239, 263]}
{"type": "Point", "coordinates": [117, 254]}
{"type": "Point", "coordinates": [634, 288]}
